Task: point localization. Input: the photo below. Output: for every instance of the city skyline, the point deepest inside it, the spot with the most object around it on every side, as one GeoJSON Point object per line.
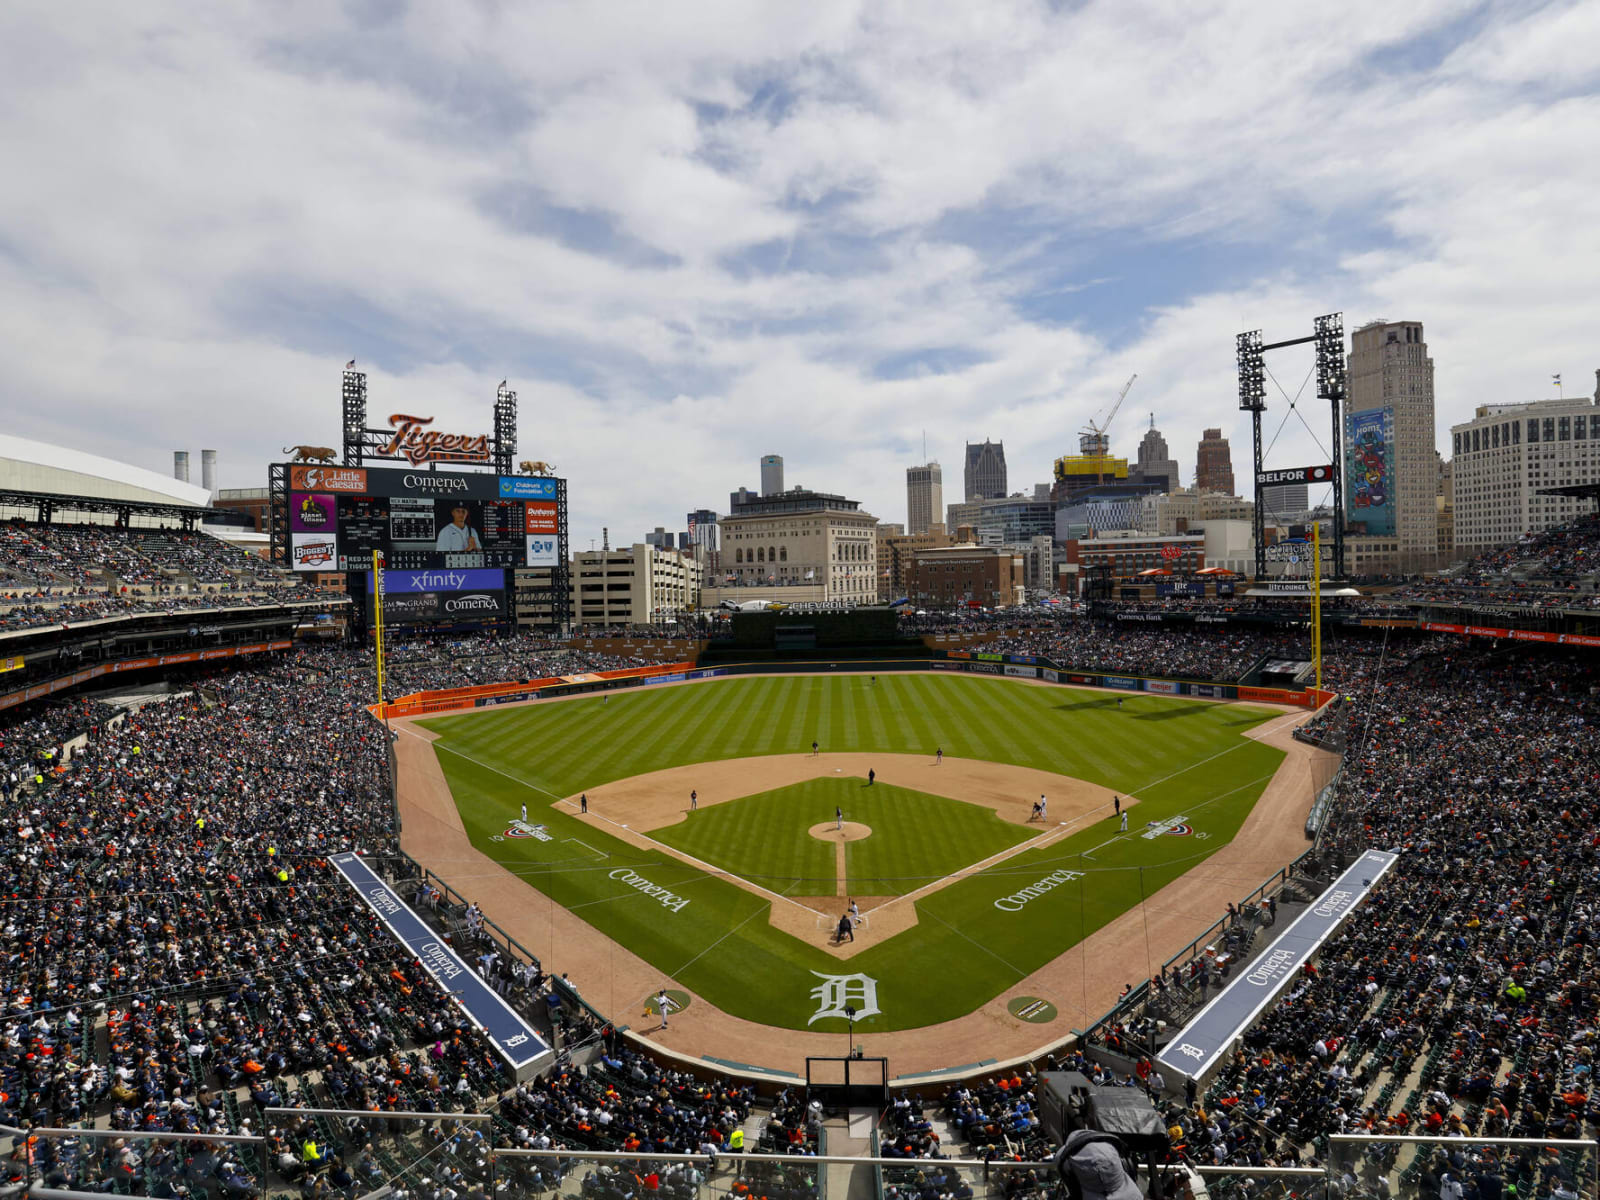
{"type": "Point", "coordinates": [689, 242]}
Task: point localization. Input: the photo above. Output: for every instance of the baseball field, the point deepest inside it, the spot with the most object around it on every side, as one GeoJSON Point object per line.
{"type": "Point", "coordinates": [735, 895]}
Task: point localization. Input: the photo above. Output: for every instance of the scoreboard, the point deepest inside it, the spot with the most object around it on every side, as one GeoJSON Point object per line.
{"type": "Point", "coordinates": [421, 519]}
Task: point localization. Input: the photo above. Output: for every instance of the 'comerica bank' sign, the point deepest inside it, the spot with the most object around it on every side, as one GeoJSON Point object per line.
{"type": "Point", "coordinates": [1206, 1038]}
{"type": "Point", "coordinates": [517, 1041]}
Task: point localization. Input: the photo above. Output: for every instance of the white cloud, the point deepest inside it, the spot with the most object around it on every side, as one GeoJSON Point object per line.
{"type": "Point", "coordinates": [207, 213]}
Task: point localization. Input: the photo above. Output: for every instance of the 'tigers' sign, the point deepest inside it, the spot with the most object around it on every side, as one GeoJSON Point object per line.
{"type": "Point", "coordinates": [419, 445]}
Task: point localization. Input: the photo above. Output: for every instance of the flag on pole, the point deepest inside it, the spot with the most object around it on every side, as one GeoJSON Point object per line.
{"type": "Point", "coordinates": [351, 365]}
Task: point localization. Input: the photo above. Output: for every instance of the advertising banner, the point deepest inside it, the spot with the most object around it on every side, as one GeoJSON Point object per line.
{"type": "Point", "coordinates": [542, 550]}
{"type": "Point", "coordinates": [526, 487]}
{"type": "Point", "coordinates": [313, 512]}
{"type": "Point", "coordinates": [314, 551]}
{"type": "Point", "coordinates": [1164, 686]}
{"type": "Point", "coordinates": [1271, 695]}
{"type": "Point", "coordinates": [984, 667]}
{"type": "Point", "coordinates": [1212, 691]}
{"type": "Point", "coordinates": [1089, 680]}
{"type": "Point", "coordinates": [328, 479]}
{"type": "Point", "coordinates": [1121, 681]}
{"type": "Point", "coordinates": [517, 1042]}
{"type": "Point", "coordinates": [1052, 676]}
{"type": "Point", "coordinates": [411, 607]}
{"type": "Point", "coordinates": [1210, 1035]}
{"type": "Point", "coordinates": [463, 579]}
{"type": "Point", "coordinates": [1022, 672]}
{"type": "Point", "coordinates": [1369, 469]}
{"type": "Point", "coordinates": [541, 517]}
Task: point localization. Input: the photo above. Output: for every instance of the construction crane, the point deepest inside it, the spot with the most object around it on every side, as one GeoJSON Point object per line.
{"type": "Point", "coordinates": [1093, 441]}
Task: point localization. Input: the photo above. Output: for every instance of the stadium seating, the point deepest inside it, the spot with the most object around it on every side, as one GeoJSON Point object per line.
{"type": "Point", "coordinates": [181, 957]}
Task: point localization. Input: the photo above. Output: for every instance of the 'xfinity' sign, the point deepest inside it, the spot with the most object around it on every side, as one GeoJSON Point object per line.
{"type": "Point", "coordinates": [473, 579]}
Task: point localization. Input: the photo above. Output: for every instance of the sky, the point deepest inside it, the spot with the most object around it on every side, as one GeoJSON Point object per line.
{"type": "Point", "coordinates": [693, 234]}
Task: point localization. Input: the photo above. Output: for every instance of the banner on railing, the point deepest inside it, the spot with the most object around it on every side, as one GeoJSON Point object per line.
{"type": "Point", "coordinates": [517, 1041]}
{"type": "Point", "coordinates": [1213, 1031]}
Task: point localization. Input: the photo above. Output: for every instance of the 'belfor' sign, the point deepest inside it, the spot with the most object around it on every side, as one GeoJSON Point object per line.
{"type": "Point", "coordinates": [417, 444]}
{"type": "Point", "coordinates": [1295, 475]}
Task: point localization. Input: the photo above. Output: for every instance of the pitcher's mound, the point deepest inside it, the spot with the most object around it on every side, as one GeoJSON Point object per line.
{"type": "Point", "coordinates": [828, 831]}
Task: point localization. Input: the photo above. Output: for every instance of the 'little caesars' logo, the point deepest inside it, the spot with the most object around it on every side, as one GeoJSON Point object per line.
{"type": "Point", "coordinates": [837, 992]}
{"type": "Point", "coordinates": [668, 899]}
{"type": "Point", "coordinates": [521, 829]}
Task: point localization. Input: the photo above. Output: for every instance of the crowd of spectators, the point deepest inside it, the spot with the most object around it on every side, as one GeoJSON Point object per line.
{"type": "Point", "coordinates": [34, 557]}
{"type": "Point", "coordinates": [1464, 998]}
{"type": "Point", "coordinates": [40, 610]}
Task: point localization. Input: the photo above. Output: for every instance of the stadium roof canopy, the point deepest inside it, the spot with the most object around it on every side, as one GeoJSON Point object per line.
{"type": "Point", "coordinates": [40, 468]}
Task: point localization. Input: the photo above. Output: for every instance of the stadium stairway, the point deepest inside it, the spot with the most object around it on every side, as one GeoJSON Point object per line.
{"type": "Point", "coordinates": [854, 1135]}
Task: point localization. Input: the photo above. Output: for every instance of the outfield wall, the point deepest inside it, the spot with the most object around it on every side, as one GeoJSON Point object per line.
{"type": "Point", "coordinates": [1016, 666]}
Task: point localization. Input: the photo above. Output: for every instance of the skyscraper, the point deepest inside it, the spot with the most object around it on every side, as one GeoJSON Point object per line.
{"type": "Point", "coordinates": [985, 476]}
{"type": "Point", "coordinates": [1156, 463]}
{"type": "Point", "coordinates": [703, 528]}
{"type": "Point", "coordinates": [1213, 471]}
{"type": "Point", "coordinates": [771, 474]}
{"type": "Point", "coordinates": [1289, 501]}
{"type": "Point", "coordinates": [924, 497]}
{"type": "Point", "coordinates": [1391, 382]}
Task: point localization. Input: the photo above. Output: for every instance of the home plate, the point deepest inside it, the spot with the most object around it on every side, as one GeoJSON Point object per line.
{"type": "Point", "coordinates": [838, 770]}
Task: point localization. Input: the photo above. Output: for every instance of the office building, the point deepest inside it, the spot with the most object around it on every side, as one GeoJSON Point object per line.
{"type": "Point", "coordinates": [985, 473]}
{"type": "Point", "coordinates": [1391, 477]}
{"type": "Point", "coordinates": [924, 497]}
{"type": "Point", "coordinates": [820, 545]}
{"type": "Point", "coordinates": [895, 551]}
{"type": "Point", "coordinates": [635, 585]}
{"type": "Point", "coordinates": [963, 513]}
{"type": "Point", "coordinates": [1189, 508]}
{"type": "Point", "coordinates": [771, 474]}
{"type": "Point", "coordinates": [1213, 470]}
{"type": "Point", "coordinates": [1286, 502]}
{"type": "Point", "coordinates": [702, 524]}
{"type": "Point", "coordinates": [1014, 521]}
{"type": "Point", "coordinates": [1155, 463]}
{"type": "Point", "coordinates": [1076, 474]}
{"type": "Point", "coordinates": [1506, 455]}
{"type": "Point", "coordinates": [966, 577]}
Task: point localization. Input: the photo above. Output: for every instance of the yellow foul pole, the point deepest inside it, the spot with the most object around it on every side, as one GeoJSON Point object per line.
{"type": "Point", "coordinates": [377, 608]}
{"type": "Point", "coordinates": [1316, 601]}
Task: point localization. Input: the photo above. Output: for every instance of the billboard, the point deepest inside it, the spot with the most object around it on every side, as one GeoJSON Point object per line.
{"type": "Point", "coordinates": [1369, 469]}
{"type": "Point", "coordinates": [421, 519]}
{"type": "Point", "coordinates": [444, 595]}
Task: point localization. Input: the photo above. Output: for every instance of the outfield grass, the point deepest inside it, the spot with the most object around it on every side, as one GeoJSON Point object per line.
{"type": "Point", "coordinates": [916, 838]}
{"type": "Point", "coordinates": [1181, 757]}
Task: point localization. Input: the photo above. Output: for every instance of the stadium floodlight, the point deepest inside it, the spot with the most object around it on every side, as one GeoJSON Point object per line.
{"type": "Point", "coordinates": [1331, 374]}
{"type": "Point", "coordinates": [1252, 371]}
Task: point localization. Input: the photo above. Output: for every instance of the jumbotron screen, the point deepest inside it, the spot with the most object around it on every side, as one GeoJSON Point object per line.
{"type": "Point", "coordinates": [420, 519]}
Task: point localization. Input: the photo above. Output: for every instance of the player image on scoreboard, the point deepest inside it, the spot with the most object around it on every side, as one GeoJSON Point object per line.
{"type": "Point", "coordinates": [458, 534]}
